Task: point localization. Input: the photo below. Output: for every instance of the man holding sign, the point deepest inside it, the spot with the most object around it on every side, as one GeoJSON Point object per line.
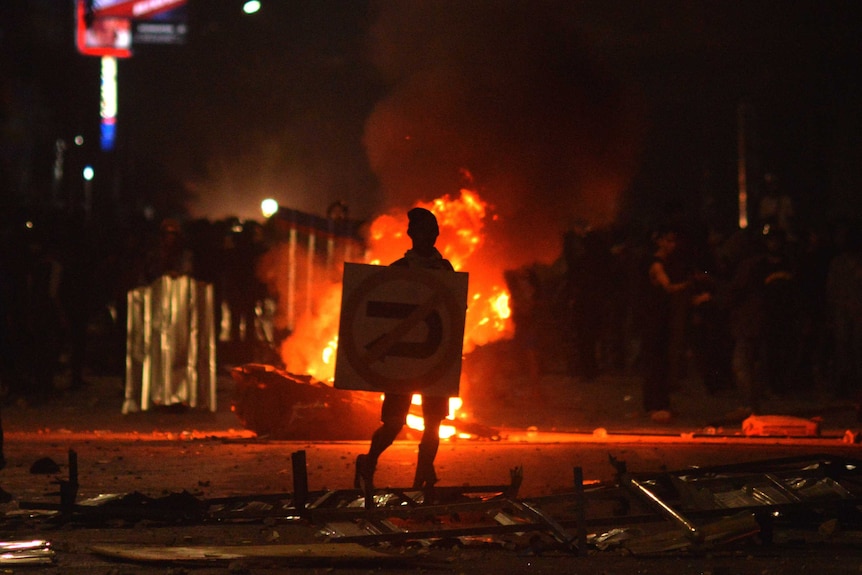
{"type": "Point", "coordinates": [423, 231]}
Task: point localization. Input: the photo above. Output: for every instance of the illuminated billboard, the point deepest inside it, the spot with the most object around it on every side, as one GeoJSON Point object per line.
{"type": "Point", "coordinates": [114, 27]}
{"type": "Point", "coordinates": [108, 103]}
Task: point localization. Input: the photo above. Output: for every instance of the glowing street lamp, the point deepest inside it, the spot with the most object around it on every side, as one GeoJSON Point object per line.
{"type": "Point", "coordinates": [268, 207]}
{"type": "Point", "coordinates": [88, 173]}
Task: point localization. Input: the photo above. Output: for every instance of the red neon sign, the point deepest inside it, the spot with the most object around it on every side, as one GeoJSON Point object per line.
{"type": "Point", "coordinates": [105, 36]}
{"type": "Point", "coordinates": [105, 27]}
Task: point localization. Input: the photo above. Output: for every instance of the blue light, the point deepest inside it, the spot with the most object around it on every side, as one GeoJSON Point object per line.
{"type": "Point", "coordinates": [109, 132]}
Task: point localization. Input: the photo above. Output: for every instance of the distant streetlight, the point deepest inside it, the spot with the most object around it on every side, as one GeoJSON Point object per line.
{"type": "Point", "coordinates": [88, 173]}
{"type": "Point", "coordinates": [251, 6]}
{"type": "Point", "coordinates": [268, 207]}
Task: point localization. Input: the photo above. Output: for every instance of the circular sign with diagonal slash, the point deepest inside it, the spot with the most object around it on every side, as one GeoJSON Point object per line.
{"type": "Point", "coordinates": [401, 330]}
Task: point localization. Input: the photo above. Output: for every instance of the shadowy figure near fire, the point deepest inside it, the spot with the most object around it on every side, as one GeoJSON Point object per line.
{"type": "Point", "coordinates": [423, 231]}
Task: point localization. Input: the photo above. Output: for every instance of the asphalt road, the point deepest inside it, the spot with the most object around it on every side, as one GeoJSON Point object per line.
{"type": "Point", "coordinates": [225, 463]}
{"type": "Point", "coordinates": [207, 456]}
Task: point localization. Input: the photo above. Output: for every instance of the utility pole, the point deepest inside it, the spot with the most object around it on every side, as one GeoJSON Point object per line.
{"type": "Point", "coordinates": [742, 164]}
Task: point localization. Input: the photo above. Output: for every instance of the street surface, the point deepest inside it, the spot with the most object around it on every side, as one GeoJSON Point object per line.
{"type": "Point", "coordinates": [209, 455]}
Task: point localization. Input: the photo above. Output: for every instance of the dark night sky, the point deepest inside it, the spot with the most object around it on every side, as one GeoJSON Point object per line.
{"type": "Point", "coordinates": [560, 111]}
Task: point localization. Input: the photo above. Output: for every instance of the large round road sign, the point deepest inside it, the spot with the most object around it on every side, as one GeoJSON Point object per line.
{"type": "Point", "coordinates": [401, 330]}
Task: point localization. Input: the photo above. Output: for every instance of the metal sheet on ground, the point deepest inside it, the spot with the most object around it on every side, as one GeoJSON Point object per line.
{"type": "Point", "coordinates": [320, 551]}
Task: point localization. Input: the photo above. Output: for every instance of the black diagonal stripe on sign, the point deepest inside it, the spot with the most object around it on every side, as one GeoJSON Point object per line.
{"type": "Point", "coordinates": [413, 349]}
{"type": "Point", "coordinates": [382, 345]}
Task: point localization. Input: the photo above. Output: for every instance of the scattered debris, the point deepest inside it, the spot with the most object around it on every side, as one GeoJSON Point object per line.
{"type": "Point", "coordinates": [280, 405]}
{"type": "Point", "coordinates": [33, 552]}
{"type": "Point", "coordinates": [315, 554]}
{"type": "Point", "coordinates": [44, 466]}
{"type": "Point", "coordinates": [687, 510]}
{"type": "Point", "coordinates": [851, 436]}
{"type": "Point", "coordinates": [781, 425]}
{"type": "Point", "coordinates": [694, 509]}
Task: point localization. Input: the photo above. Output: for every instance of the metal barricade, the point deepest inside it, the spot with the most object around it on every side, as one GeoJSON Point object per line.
{"type": "Point", "coordinates": [170, 345]}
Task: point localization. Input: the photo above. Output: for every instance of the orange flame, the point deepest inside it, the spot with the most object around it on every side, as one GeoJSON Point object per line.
{"type": "Point", "coordinates": [310, 349]}
{"type": "Point", "coordinates": [447, 430]}
{"type": "Point", "coordinates": [312, 345]}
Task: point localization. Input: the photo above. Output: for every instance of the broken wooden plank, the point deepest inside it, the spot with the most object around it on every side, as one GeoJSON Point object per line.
{"type": "Point", "coordinates": [314, 553]}
{"type": "Point", "coordinates": [29, 552]}
{"type": "Point", "coordinates": [441, 533]}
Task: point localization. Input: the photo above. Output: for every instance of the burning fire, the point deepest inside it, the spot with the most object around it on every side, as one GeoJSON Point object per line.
{"type": "Point", "coordinates": [446, 430]}
{"type": "Point", "coordinates": [312, 345]}
{"type": "Point", "coordinates": [462, 222]}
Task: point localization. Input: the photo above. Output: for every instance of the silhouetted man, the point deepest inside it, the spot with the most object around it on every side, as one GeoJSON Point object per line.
{"type": "Point", "coordinates": [423, 231]}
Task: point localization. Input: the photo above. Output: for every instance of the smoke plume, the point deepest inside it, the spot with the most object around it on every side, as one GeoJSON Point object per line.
{"type": "Point", "coordinates": [506, 92]}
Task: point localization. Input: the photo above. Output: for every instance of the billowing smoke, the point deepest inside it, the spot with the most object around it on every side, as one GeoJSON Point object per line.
{"type": "Point", "coordinates": [505, 91]}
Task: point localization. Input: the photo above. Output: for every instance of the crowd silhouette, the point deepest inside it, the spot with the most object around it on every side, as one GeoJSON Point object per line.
{"type": "Point", "coordinates": [759, 313]}
{"type": "Point", "coordinates": [65, 286]}
{"type": "Point", "coordinates": [763, 311]}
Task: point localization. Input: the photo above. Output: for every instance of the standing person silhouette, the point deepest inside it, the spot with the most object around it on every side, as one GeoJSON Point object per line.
{"type": "Point", "coordinates": [656, 335]}
{"type": "Point", "coordinates": [170, 256]}
{"type": "Point", "coordinates": [423, 231]}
